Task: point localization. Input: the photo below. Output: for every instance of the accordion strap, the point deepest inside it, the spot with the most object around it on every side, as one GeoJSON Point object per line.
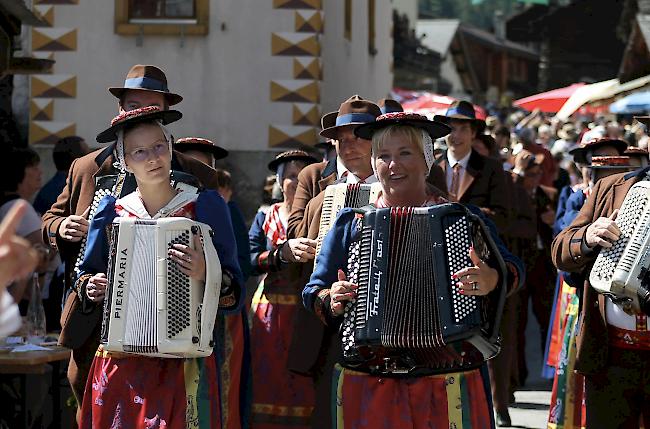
{"type": "Point", "coordinates": [365, 209]}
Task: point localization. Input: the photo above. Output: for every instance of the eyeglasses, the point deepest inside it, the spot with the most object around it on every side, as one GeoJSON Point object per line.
{"type": "Point", "coordinates": [142, 154]}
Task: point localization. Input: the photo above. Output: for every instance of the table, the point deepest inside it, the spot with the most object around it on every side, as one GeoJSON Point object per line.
{"type": "Point", "coordinates": [34, 362]}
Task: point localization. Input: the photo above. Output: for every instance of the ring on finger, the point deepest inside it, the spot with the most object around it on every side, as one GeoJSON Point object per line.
{"type": "Point", "coordinates": [474, 286]}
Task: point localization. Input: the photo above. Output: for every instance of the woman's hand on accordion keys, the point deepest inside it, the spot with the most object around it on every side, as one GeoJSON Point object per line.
{"type": "Point", "coordinates": [190, 261]}
{"type": "Point", "coordinates": [96, 287]}
{"type": "Point", "coordinates": [480, 279]}
{"type": "Point", "coordinates": [341, 292]}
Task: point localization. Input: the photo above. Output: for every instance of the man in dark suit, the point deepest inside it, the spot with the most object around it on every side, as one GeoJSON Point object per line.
{"type": "Point", "coordinates": [66, 223]}
{"type": "Point", "coordinates": [470, 177]}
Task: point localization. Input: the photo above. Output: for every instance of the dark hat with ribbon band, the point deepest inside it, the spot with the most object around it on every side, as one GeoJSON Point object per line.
{"type": "Point", "coordinates": [201, 145]}
{"type": "Point", "coordinates": [460, 111]}
{"type": "Point", "coordinates": [291, 155]}
{"type": "Point", "coordinates": [144, 114]}
{"type": "Point", "coordinates": [434, 128]}
{"type": "Point", "coordinates": [580, 153]}
{"type": "Point", "coordinates": [146, 78]}
{"type": "Point", "coordinates": [353, 111]}
{"type": "Point", "coordinates": [328, 120]}
{"type": "Point", "coordinates": [388, 105]}
{"type": "Point", "coordinates": [611, 163]}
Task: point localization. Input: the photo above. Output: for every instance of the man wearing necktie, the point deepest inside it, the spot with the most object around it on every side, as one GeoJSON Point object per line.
{"type": "Point", "coordinates": [475, 179]}
{"type": "Point", "coordinates": [472, 178]}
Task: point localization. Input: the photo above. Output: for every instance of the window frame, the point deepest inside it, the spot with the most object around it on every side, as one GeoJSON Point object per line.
{"type": "Point", "coordinates": [347, 20]}
{"type": "Point", "coordinates": [162, 27]}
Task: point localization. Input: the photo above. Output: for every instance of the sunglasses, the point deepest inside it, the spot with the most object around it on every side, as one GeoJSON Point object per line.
{"type": "Point", "coordinates": [142, 154]}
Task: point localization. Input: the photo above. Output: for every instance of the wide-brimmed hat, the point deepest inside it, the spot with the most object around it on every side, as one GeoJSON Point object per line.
{"type": "Point", "coordinates": [526, 159]}
{"type": "Point", "coordinates": [580, 153]}
{"type": "Point", "coordinates": [146, 78]}
{"type": "Point", "coordinates": [460, 110]}
{"type": "Point", "coordinates": [328, 120]}
{"type": "Point", "coordinates": [144, 114]}
{"type": "Point", "coordinates": [388, 105]}
{"type": "Point", "coordinates": [202, 145]}
{"type": "Point", "coordinates": [353, 111]}
{"type": "Point", "coordinates": [291, 155]}
{"type": "Point", "coordinates": [434, 128]}
{"type": "Point", "coordinates": [635, 151]}
{"type": "Point", "coordinates": [611, 162]}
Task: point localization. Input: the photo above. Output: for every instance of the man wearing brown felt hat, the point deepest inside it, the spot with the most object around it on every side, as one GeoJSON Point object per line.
{"type": "Point", "coordinates": [65, 224]}
{"type": "Point", "coordinates": [613, 344]}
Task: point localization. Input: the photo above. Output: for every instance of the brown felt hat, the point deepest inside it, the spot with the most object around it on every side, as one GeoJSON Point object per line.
{"type": "Point", "coordinates": [291, 155]}
{"type": "Point", "coordinates": [328, 120]}
{"type": "Point", "coordinates": [146, 78]}
{"type": "Point", "coordinates": [580, 153]}
{"type": "Point", "coordinates": [353, 111]}
{"type": "Point", "coordinates": [202, 145]}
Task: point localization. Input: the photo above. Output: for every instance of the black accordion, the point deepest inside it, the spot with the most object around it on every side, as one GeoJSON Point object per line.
{"type": "Point", "coordinates": [408, 317]}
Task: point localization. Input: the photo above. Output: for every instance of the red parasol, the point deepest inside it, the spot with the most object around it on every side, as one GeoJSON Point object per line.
{"type": "Point", "coordinates": [431, 104]}
{"type": "Point", "coordinates": [549, 101]}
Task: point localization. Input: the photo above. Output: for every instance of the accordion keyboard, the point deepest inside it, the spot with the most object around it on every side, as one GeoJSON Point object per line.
{"type": "Point", "coordinates": [629, 216]}
{"type": "Point", "coordinates": [457, 238]}
{"type": "Point", "coordinates": [178, 296]}
{"type": "Point", "coordinates": [99, 195]}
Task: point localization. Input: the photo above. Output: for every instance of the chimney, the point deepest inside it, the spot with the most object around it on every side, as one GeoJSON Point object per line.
{"type": "Point", "coordinates": [499, 22]}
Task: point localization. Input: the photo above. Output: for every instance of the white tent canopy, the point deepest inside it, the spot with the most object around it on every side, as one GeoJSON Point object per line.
{"type": "Point", "coordinates": [598, 91]}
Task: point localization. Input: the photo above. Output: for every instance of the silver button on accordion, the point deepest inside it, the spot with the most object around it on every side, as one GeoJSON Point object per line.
{"type": "Point", "coordinates": [340, 196]}
{"type": "Point", "coordinates": [151, 307]}
{"type": "Point", "coordinates": [621, 271]}
{"type": "Point", "coordinates": [408, 315]}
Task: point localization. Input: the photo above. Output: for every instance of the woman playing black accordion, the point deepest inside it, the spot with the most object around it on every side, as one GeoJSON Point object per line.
{"type": "Point", "coordinates": [402, 154]}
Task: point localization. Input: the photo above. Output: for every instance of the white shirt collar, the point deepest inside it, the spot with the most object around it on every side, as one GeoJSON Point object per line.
{"type": "Point", "coordinates": [350, 177]}
{"type": "Point", "coordinates": [340, 168]}
{"type": "Point", "coordinates": [132, 202]}
{"type": "Point", "coordinates": [453, 161]}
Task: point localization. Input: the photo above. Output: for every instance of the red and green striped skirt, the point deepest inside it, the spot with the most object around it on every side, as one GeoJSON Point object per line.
{"type": "Point", "coordinates": [365, 401]}
{"type": "Point", "coordinates": [141, 392]}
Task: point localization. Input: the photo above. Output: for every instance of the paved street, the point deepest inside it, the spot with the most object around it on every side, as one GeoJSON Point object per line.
{"type": "Point", "coordinates": [531, 408]}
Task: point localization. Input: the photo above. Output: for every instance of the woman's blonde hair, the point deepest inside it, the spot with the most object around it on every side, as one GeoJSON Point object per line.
{"type": "Point", "coordinates": [418, 135]}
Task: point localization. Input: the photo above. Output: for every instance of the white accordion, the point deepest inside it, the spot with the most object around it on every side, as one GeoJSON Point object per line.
{"type": "Point", "coordinates": [151, 308]}
{"type": "Point", "coordinates": [339, 196]}
{"type": "Point", "coordinates": [620, 271]}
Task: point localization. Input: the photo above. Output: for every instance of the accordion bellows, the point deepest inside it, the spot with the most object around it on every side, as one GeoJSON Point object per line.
{"type": "Point", "coordinates": [408, 314]}
{"type": "Point", "coordinates": [621, 270]}
{"type": "Point", "coordinates": [151, 307]}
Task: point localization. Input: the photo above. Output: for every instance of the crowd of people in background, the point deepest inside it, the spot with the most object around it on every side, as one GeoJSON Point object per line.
{"type": "Point", "coordinates": [277, 359]}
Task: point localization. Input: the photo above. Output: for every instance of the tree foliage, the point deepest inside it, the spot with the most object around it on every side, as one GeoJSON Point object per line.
{"type": "Point", "coordinates": [480, 14]}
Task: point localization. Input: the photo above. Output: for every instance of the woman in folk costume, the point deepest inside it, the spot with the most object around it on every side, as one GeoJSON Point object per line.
{"type": "Point", "coordinates": [281, 399]}
{"type": "Point", "coordinates": [402, 153]}
{"type": "Point", "coordinates": [127, 390]}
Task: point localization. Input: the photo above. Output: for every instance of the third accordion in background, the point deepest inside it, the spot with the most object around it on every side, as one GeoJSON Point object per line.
{"type": "Point", "coordinates": [408, 317]}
